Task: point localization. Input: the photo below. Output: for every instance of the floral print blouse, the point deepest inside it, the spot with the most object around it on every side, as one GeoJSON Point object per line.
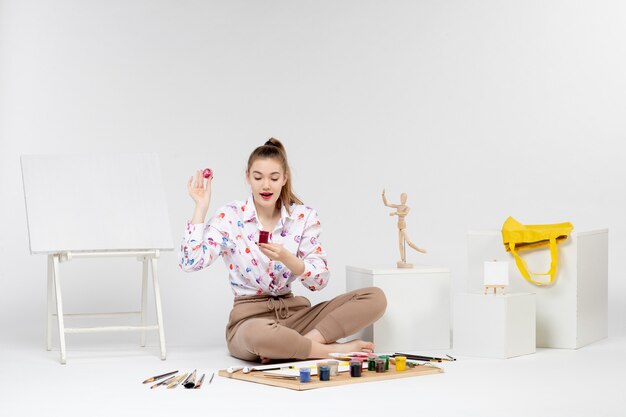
{"type": "Point", "coordinates": [232, 235]}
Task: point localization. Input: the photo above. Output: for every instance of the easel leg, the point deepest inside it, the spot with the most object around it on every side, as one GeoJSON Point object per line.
{"type": "Point", "coordinates": [157, 301]}
{"type": "Point", "coordinates": [57, 292]}
{"type": "Point", "coordinates": [144, 298]}
{"type": "Point", "coordinates": [49, 305]}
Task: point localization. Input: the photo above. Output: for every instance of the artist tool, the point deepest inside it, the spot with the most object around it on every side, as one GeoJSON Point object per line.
{"type": "Point", "coordinates": [164, 382]}
{"type": "Point", "coordinates": [424, 358]}
{"type": "Point", "coordinates": [211, 380]}
{"type": "Point", "coordinates": [380, 365]}
{"type": "Point", "coordinates": [233, 369]}
{"type": "Point", "coordinates": [371, 364]}
{"type": "Point", "coordinates": [408, 362]}
{"type": "Point", "coordinates": [154, 378]}
{"type": "Point", "coordinates": [324, 373]}
{"type": "Point", "coordinates": [290, 377]}
{"type": "Point", "coordinates": [386, 358]}
{"type": "Point", "coordinates": [248, 369]}
{"type": "Point", "coordinates": [200, 381]}
{"type": "Point", "coordinates": [177, 381]}
{"type": "Point", "coordinates": [400, 362]}
{"type": "Point", "coordinates": [264, 236]}
{"type": "Point", "coordinates": [190, 381]}
{"type": "Point", "coordinates": [319, 365]}
{"type": "Point", "coordinates": [305, 375]}
{"type": "Point", "coordinates": [355, 368]}
{"type": "Point", "coordinates": [334, 367]}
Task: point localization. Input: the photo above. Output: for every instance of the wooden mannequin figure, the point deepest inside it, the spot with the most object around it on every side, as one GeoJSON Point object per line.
{"type": "Point", "coordinates": [401, 211]}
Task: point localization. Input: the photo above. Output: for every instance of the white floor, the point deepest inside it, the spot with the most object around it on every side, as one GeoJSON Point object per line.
{"type": "Point", "coordinates": [107, 382]}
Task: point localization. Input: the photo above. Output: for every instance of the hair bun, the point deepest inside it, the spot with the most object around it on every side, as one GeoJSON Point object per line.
{"type": "Point", "coordinates": [272, 142]}
{"type": "Point", "coordinates": [275, 142]}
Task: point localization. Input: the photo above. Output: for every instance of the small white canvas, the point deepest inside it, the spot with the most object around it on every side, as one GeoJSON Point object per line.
{"type": "Point", "coordinates": [496, 273]}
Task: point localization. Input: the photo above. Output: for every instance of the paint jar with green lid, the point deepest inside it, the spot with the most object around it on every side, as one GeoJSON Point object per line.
{"type": "Point", "coordinates": [386, 358]}
{"type": "Point", "coordinates": [371, 363]}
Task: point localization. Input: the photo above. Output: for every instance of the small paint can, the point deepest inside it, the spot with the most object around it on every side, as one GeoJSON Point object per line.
{"type": "Point", "coordinates": [400, 363]}
{"type": "Point", "coordinates": [334, 367]}
{"type": "Point", "coordinates": [324, 373]}
{"type": "Point", "coordinates": [355, 368]}
{"type": "Point", "coordinates": [319, 365]}
{"type": "Point", "coordinates": [371, 363]}
{"type": "Point", "coordinates": [386, 358]}
{"type": "Point", "coordinates": [305, 375]}
{"type": "Point", "coordinates": [264, 236]}
{"type": "Point", "coordinates": [380, 365]}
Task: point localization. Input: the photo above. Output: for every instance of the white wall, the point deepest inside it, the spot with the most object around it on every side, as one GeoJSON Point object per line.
{"type": "Point", "coordinates": [476, 109]}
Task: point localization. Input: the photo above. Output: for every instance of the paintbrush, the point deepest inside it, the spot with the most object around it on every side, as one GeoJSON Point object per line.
{"type": "Point", "coordinates": [233, 369]}
{"type": "Point", "coordinates": [164, 382]}
{"type": "Point", "coordinates": [154, 378]}
{"type": "Point", "coordinates": [177, 381]}
{"type": "Point", "coordinates": [281, 376]}
{"type": "Point", "coordinates": [247, 370]}
{"type": "Point", "coordinates": [424, 358]}
{"type": "Point", "coordinates": [199, 383]}
{"type": "Point", "coordinates": [190, 381]}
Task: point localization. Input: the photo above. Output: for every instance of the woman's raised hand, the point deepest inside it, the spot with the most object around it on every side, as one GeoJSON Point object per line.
{"type": "Point", "coordinates": [200, 190]}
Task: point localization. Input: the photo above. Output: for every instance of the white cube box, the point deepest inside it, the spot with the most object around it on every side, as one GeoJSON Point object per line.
{"type": "Point", "coordinates": [572, 312]}
{"type": "Point", "coordinates": [493, 326]}
{"type": "Point", "coordinates": [418, 307]}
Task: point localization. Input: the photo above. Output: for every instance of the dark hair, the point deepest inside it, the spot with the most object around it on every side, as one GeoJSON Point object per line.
{"type": "Point", "coordinates": [274, 149]}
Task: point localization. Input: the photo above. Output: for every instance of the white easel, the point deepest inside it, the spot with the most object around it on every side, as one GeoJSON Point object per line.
{"type": "Point", "coordinates": [54, 294]}
{"type": "Point", "coordinates": [129, 203]}
{"type": "Point", "coordinates": [495, 276]}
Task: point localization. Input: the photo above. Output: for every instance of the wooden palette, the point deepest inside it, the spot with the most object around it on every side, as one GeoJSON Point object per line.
{"type": "Point", "coordinates": [343, 378]}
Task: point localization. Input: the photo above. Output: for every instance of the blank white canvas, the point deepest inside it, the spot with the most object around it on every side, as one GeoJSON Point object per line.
{"type": "Point", "coordinates": [496, 273]}
{"type": "Point", "coordinates": [95, 202]}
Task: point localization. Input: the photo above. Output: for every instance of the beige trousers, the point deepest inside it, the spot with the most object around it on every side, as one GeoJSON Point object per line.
{"type": "Point", "coordinates": [273, 327]}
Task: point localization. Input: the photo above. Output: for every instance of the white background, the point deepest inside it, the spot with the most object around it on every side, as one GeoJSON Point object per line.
{"type": "Point", "coordinates": [476, 109]}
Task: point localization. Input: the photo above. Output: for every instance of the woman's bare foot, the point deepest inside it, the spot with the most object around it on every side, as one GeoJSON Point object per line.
{"type": "Point", "coordinates": [351, 346]}
{"type": "Point", "coordinates": [322, 350]}
{"type": "Point", "coordinates": [265, 360]}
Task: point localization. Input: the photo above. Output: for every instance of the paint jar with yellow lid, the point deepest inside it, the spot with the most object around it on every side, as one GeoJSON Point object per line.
{"type": "Point", "coordinates": [400, 363]}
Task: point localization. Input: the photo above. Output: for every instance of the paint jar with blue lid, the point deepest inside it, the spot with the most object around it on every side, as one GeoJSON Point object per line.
{"type": "Point", "coordinates": [324, 373]}
{"type": "Point", "coordinates": [319, 364]}
{"type": "Point", "coordinates": [305, 375]}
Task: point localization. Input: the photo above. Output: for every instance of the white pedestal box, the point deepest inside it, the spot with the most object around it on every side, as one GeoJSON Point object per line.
{"type": "Point", "coordinates": [493, 326]}
{"type": "Point", "coordinates": [418, 307]}
{"type": "Point", "coordinates": [572, 312]}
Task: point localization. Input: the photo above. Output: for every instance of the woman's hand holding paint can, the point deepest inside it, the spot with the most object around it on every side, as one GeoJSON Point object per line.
{"type": "Point", "coordinates": [199, 188]}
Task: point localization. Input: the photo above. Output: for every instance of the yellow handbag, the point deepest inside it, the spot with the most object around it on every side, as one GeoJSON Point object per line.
{"type": "Point", "coordinates": [518, 237]}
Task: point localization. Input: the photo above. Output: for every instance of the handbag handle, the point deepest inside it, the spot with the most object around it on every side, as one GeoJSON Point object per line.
{"type": "Point", "coordinates": [523, 267]}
